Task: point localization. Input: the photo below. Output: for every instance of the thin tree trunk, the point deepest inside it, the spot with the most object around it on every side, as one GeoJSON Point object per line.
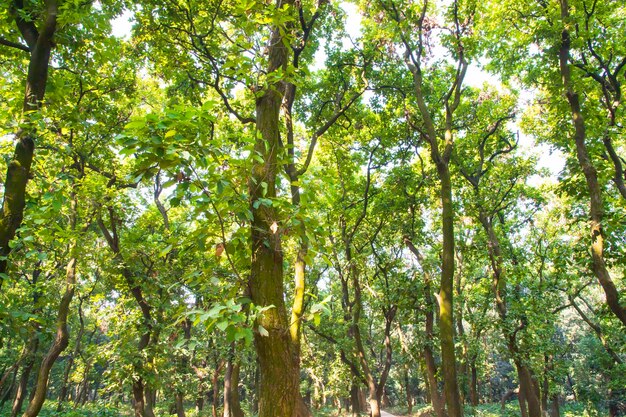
{"type": "Point", "coordinates": [180, 404]}
{"type": "Point", "coordinates": [527, 389]}
{"type": "Point", "coordinates": [216, 388]}
{"type": "Point", "coordinates": [140, 406]}
{"type": "Point", "coordinates": [62, 335]}
{"type": "Point", "coordinates": [30, 357]}
{"type": "Point", "coordinates": [446, 320]}
{"type": "Point", "coordinates": [555, 410]}
{"type": "Point", "coordinates": [436, 399]}
{"type": "Point", "coordinates": [441, 160]}
{"type": "Point", "coordinates": [409, 398]}
{"type": "Point", "coordinates": [228, 376]}
{"type": "Point", "coordinates": [473, 386]}
{"type": "Point", "coordinates": [235, 403]}
{"type": "Point", "coordinates": [9, 390]}
{"type": "Point", "coordinates": [20, 394]}
{"type": "Point", "coordinates": [13, 368]}
{"type": "Point", "coordinates": [596, 209]}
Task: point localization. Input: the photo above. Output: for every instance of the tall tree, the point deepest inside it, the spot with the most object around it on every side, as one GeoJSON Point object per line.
{"type": "Point", "coordinates": [39, 44]}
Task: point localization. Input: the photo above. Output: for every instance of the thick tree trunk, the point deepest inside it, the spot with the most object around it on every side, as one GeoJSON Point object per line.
{"type": "Point", "coordinates": [446, 320]}
{"type": "Point", "coordinates": [278, 389]}
{"type": "Point", "coordinates": [596, 209]}
{"type": "Point", "coordinates": [18, 168]}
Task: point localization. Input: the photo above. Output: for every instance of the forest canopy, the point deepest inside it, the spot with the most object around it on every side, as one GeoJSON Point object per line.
{"type": "Point", "coordinates": [298, 208]}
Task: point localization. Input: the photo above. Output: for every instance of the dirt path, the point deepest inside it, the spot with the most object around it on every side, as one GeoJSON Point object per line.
{"type": "Point", "coordinates": [385, 414]}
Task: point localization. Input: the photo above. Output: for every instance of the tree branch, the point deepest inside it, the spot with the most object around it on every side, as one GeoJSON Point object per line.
{"type": "Point", "coordinates": [15, 45]}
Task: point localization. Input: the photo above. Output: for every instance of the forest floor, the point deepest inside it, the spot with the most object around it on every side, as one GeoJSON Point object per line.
{"type": "Point", "coordinates": [483, 410]}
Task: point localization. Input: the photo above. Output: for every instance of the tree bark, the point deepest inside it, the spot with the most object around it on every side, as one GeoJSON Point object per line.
{"type": "Point", "coordinates": [278, 389]}
{"type": "Point", "coordinates": [596, 209]}
{"type": "Point", "coordinates": [473, 385]}
{"type": "Point", "coordinates": [441, 160]}
{"type": "Point", "coordinates": [436, 399]}
{"type": "Point", "coordinates": [235, 403]}
{"type": "Point", "coordinates": [446, 321]}
{"type": "Point", "coordinates": [9, 390]}
{"type": "Point", "coordinates": [409, 397]}
{"type": "Point", "coordinates": [355, 402]}
{"type": "Point", "coordinates": [527, 390]}
{"type": "Point", "coordinates": [18, 168]}
{"type": "Point", "coordinates": [216, 388]}
{"type": "Point", "coordinates": [29, 362]}
{"type": "Point", "coordinates": [62, 335]}
{"type": "Point", "coordinates": [180, 404]}
{"type": "Point", "coordinates": [141, 405]}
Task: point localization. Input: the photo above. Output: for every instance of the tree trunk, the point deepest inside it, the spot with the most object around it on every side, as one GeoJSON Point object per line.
{"type": "Point", "coordinates": [18, 168]}
{"type": "Point", "coordinates": [528, 391]}
{"type": "Point", "coordinates": [235, 403]}
{"type": "Point", "coordinates": [29, 362]}
{"type": "Point", "coordinates": [180, 404]}
{"type": "Point", "coordinates": [446, 320]}
{"type": "Point", "coordinates": [596, 209]}
{"type": "Point", "coordinates": [9, 389]}
{"type": "Point", "coordinates": [228, 376]}
{"type": "Point", "coordinates": [409, 398]}
{"type": "Point", "coordinates": [20, 394]}
{"type": "Point", "coordinates": [83, 387]}
{"type": "Point", "coordinates": [279, 380]}
{"type": "Point", "coordinates": [150, 397]}
{"type": "Point", "coordinates": [554, 406]}
{"type": "Point", "coordinates": [215, 378]}
{"type": "Point", "coordinates": [13, 368]}
{"type": "Point", "coordinates": [355, 400]}
{"type": "Point", "coordinates": [427, 352]}
{"type": "Point", "coordinates": [62, 335]}
{"type": "Point", "coordinates": [473, 386]}
{"type": "Point", "coordinates": [142, 407]}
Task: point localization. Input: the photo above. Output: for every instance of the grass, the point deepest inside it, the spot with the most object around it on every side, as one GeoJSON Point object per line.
{"type": "Point", "coordinates": [484, 410]}
{"type": "Point", "coordinates": [89, 410]}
